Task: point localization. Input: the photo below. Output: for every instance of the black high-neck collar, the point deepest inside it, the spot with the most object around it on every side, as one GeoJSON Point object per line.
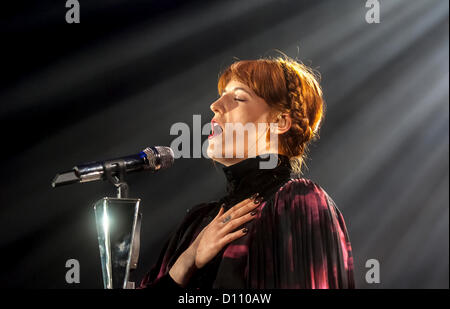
{"type": "Point", "coordinates": [246, 177]}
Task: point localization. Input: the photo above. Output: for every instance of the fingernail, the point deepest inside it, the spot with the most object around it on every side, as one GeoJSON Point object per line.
{"type": "Point", "coordinates": [253, 212]}
{"type": "Point", "coordinates": [254, 196]}
{"type": "Point", "coordinates": [245, 230]}
{"type": "Point", "coordinates": [223, 205]}
{"type": "Point", "coordinates": [258, 200]}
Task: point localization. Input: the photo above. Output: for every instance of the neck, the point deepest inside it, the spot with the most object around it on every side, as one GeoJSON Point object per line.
{"type": "Point", "coordinates": [248, 176]}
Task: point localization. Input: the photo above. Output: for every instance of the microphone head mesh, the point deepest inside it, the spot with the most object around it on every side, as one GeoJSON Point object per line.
{"type": "Point", "coordinates": [166, 156]}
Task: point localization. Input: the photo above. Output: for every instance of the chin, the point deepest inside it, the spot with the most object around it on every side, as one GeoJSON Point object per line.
{"type": "Point", "coordinates": [219, 158]}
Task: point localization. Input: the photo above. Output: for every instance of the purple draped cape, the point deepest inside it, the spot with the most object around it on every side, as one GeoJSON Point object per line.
{"type": "Point", "coordinates": [298, 239]}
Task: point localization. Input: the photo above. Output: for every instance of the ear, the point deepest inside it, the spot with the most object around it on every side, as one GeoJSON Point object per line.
{"type": "Point", "coordinates": [284, 122]}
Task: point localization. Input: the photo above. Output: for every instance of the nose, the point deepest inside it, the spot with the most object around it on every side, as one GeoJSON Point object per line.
{"type": "Point", "coordinates": [215, 106]}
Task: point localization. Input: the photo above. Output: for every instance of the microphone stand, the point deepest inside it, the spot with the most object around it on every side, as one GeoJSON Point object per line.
{"type": "Point", "coordinates": [118, 224]}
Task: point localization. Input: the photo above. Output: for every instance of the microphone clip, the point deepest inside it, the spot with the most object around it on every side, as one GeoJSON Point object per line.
{"type": "Point", "coordinates": [112, 167]}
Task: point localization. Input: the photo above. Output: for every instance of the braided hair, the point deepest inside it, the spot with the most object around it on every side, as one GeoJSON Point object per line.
{"type": "Point", "coordinates": [305, 105]}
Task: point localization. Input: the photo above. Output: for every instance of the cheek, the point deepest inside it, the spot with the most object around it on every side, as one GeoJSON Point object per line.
{"type": "Point", "coordinates": [245, 114]}
{"type": "Point", "coordinates": [240, 115]}
{"type": "Point", "coordinates": [258, 111]}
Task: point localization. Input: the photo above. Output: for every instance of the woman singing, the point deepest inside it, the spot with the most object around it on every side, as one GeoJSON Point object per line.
{"type": "Point", "coordinates": [273, 228]}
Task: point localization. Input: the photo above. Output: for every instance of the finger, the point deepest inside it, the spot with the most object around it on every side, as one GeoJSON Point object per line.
{"type": "Point", "coordinates": [247, 208]}
{"type": "Point", "coordinates": [240, 205]}
{"type": "Point", "coordinates": [233, 236]}
{"type": "Point", "coordinates": [222, 214]}
{"type": "Point", "coordinates": [236, 223]}
{"type": "Point", "coordinates": [221, 211]}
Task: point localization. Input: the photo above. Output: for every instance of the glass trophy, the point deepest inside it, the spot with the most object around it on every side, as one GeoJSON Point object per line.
{"type": "Point", "coordinates": [118, 226]}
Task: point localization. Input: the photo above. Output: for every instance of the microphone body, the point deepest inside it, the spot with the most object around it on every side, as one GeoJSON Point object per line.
{"type": "Point", "coordinates": [151, 159]}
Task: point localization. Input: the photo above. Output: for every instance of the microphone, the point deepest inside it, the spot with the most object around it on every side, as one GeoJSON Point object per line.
{"type": "Point", "coordinates": [150, 159]}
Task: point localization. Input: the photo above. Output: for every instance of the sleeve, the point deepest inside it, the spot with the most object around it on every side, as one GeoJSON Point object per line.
{"type": "Point", "coordinates": [164, 282]}
{"type": "Point", "coordinates": [153, 279]}
{"type": "Point", "coordinates": [177, 243]}
{"type": "Point", "coordinates": [313, 245]}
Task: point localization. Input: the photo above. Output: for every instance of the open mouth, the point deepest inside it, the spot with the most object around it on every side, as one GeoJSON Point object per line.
{"type": "Point", "coordinates": [216, 129]}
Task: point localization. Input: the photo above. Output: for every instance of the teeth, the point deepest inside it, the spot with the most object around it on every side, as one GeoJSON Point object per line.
{"type": "Point", "coordinates": [217, 130]}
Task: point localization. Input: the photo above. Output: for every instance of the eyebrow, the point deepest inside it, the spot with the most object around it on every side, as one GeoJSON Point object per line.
{"type": "Point", "coordinates": [238, 88]}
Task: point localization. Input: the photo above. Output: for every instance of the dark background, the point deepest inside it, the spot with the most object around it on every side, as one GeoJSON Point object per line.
{"type": "Point", "coordinates": [116, 82]}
